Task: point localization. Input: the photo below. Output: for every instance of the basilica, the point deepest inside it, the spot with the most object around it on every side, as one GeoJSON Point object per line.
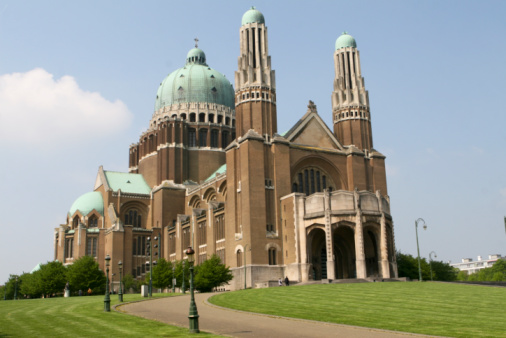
{"type": "Point", "coordinates": [212, 172]}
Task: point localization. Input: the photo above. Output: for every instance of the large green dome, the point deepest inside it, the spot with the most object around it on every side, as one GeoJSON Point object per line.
{"type": "Point", "coordinates": [87, 202]}
{"type": "Point", "coordinates": [251, 16]}
{"type": "Point", "coordinates": [195, 82]}
{"type": "Point", "coordinates": [345, 40]}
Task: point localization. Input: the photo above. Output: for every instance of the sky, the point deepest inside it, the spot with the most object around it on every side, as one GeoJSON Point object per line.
{"type": "Point", "coordinates": [78, 81]}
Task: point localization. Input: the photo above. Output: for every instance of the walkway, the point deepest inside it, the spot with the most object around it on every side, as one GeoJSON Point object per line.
{"type": "Point", "coordinates": [232, 323]}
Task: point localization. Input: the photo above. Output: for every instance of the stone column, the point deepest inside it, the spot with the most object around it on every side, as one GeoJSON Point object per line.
{"type": "Point", "coordinates": [359, 241]}
{"type": "Point", "coordinates": [331, 273]}
{"type": "Point", "coordinates": [385, 269]}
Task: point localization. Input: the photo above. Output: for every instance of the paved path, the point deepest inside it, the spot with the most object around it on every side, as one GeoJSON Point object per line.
{"type": "Point", "coordinates": [232, 323]}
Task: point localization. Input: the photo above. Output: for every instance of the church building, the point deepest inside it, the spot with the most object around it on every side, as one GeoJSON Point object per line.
{"type": "Point", "coordinates": [212, 172]}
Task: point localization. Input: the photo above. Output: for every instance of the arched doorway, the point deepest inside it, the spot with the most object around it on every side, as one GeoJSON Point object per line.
{"type": "Point", "coordinates": [344, 252]}
{"type": "Point", "coordinates": [371, 250]}
{"type": "Point", "coordinates": [317, 254]}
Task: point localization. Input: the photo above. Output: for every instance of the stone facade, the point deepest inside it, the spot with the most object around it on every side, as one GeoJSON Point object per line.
{"type": "Point", "coordinates": [311, 204]}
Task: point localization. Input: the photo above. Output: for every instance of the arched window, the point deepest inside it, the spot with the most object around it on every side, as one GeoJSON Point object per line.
{"type": "Point", "coordinates": [133, 217]}
{"type": "Point", "coordinates": [224, 139]}
{"type": "Point", "coordinates": [272, 256]}
{"type": "Point", "coordinates": [203, 137]}
{"type": "Point", "coordinates": [93, 222]}
{"type": "Point", "coordinates": [239, 258]}
{"type": "Point", "coordinates": [214, 138]}
{"type": "Point", "coordinates": [75, 222]}
{"type": "Point", "coordinates": [202, 117]}
{"type": "Point", "coordinates": [192, 117]}
{"type": "Point", "coordinates": [192, 138]}
{"type": "Point", "coordinates": [310, 180]}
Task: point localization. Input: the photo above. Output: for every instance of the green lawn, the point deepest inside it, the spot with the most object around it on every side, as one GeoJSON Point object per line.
{"type": "Point", "coordinates": [78, 317]}
{"type": "Point", "coordinates": [452, 310]}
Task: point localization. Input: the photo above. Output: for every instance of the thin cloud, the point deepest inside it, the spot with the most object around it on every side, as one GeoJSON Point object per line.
{"type": "Point", "coordinates": [36, 109]}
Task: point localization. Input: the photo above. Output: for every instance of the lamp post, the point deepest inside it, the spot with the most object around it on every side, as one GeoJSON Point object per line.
{"type": "Point", "coordinates": [430, 262]}
{"type": "Point", "coordinates": [418, 247]}
{"type": "Point", "coordinates": [173, 277]}
{"type": "Point", "coordinates": [112, 282]}
{"type": "Point", "coordinates": [182, 283]}
{"type": "Point", "coordinates": [150, 267]}
{"type": "Point", "coordinates": [120, 291]}
{"type": "Point", "coordinates": [16, 289]}
{"type": "Point", "coordinates": [107, 298]}
{"type": "Point", "coordinates": [193, 315]}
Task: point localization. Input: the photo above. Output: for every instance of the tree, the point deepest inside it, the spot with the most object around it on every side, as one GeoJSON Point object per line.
{"type": "Point", "coordinates": [30, 285]}
{"type": "Point", "coordinates": [10, 285]}
{"type": "Point", "coordinates": [51, 278]}
{"type": "Point", "coordinates": [85, 274]}
{"type": "Point", "coordinates": [211, 274]}
{"type": "Point", "coordinates": [179, 274]}
{"type": "Point", "coordinates": [443, 271]}
{"type": "Point", "coordinates": [129, 282]}
{"type": "Point", "coordinates": [162, 274]}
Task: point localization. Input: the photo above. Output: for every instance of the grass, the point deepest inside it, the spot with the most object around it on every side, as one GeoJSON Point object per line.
{"type": "Point", "coordinates": [78, 317]}
{"type": "Point", "coordinates": [441, 309]}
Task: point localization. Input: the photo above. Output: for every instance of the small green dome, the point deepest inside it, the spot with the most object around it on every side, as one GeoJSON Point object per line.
{"type": "Point", "coordinates": [195, 82]}
{"type": "Point", "coordinates": [251, 16]}
{"type": "Point", "coordinates": [345, 40]}
{"type": "Point", "coordinates": [87, 202]}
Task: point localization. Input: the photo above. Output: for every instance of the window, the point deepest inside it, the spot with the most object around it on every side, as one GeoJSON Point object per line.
{"type": "Point", "coordinates": [203, 137]}
{"type": "Point", "coordinates": [192, 117]}
{"type": "Point", "coordinates": [69, 248]}
{"type": "Point", "coordinates": [75, 222]}
{"type": "Point", "coordinates": [219, 227]}
{"type": "Point", "coordinates": [202, 117]}
{"type": "Point", "coordinates": [239, 258]}
{"type": "Point", "coordinates": [91, 246]}
{"type": "Point", "coordinates": [311, 180]}
{"type": "Point", "coordinates": [132, 217]}
{"type": "Point", "coordinates": [202, 233]}
{"type": "Point", "coordinates": [224, 139]}
{"type": "Point", "coordinates": [172, 243]}
{"type": "Point", "coordinates": [93, 222]}
{"type": "Point", "coordinates": [272, 256]}
{"type": "Point", "coordinates": [192, 139]}
{"type": "Point", "coordinates": [211, 118]}
{"type": "Point", "coordinates": [214, 138]}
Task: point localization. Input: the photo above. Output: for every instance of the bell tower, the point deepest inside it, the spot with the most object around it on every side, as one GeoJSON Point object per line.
{"type": "Point", "coordinates": [255, 94]}
{"type": "Point", "coordinates": [350, 100]}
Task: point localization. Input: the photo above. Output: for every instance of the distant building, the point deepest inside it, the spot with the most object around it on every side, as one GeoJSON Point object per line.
{"type": "Point", "coordinates": [468, 265]}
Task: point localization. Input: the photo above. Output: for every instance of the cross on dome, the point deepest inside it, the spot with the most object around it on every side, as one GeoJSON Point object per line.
{"type": "Point", "coordinates": [196, 42]}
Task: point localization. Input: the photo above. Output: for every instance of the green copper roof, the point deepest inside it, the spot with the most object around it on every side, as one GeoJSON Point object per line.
{"type": "Point", "coordinates": [128, 183]}
{"type": "Point", "coordinates": [345, 40]}
{"type": "Point", "coordinates": [251, 16]}
{"type": "Point", "coordinates": [219, 171]}
{"type": "Point", "coordinates": [87, 202]}
{"type": "Point", "coordinates": [195, 82]}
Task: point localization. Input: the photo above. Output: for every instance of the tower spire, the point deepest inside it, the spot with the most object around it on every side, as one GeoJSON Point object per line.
{"type": "Point", "coordinates": [255, 95]}
{"type": "Point", "coordinates": [350, 100]}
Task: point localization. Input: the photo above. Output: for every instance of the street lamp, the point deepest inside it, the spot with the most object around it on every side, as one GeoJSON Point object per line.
{"type": "Point", "coordinates": [120, 291]}
{"type": "Point", "coordinates": [112, 282]}
{"type": "Point", "coordinates": [107, 298]}
{"type": "Point", "coordinates": [194, 315]}
{"type": "Point", "coordinates": [418, 247]}
{"type": "Point", "coordinates": [173, 278]}
{"type": "Point", "coordinates": [430, 262]}
{"type": "Point", "coordinates": [16, 289]}
{"type": "Point", "coordinates": [150, 252]}
{"type": "Point", "coordinates": [182, 283]}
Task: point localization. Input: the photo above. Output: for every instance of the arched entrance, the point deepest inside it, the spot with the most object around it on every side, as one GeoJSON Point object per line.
{"type": "Point", "coordinates": [371, 250]}
{"type": "Point", "coordinates": [317, 254]}
{"type": "Point", "coordinates": [344, 252]}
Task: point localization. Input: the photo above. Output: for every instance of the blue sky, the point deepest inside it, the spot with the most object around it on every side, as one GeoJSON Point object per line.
{"type": "Point", "coordinates": [78, 81]}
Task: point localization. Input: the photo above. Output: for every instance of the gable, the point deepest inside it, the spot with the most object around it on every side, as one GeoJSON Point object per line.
{"type": "Point", "coordinates": [312, 131]}
{"type": "Point", "coordinates": [314, 134]}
